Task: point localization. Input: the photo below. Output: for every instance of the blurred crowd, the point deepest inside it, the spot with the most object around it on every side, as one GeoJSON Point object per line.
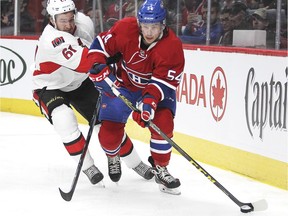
{"type": "Point", "coordinates": [187, 18]}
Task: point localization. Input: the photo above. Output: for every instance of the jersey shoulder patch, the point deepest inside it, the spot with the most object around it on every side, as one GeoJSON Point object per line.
{"type": "Point", "coordinates": [58, 41]}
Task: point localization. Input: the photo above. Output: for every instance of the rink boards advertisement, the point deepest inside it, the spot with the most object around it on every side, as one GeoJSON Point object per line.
{"type": "Point", "coordinates": [231, 107]}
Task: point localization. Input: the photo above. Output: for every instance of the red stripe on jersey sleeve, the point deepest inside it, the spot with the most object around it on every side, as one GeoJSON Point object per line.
{"type": "Point", "coordinates": [88, 59]}
{"type": "Point", "coordinates": [84, 65]}
{"type": "Point", "coordinates": [96, 57]}
{"type": "Point", "coordinates": [46, 68]}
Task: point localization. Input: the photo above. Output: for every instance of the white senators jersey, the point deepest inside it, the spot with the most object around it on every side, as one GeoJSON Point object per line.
{"type": "Point", "coordinates": [60, 57]}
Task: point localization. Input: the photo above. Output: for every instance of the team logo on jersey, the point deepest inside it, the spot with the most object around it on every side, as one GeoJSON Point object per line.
{"type": "Point", "coordinates": [58, 41]}
{"type": "Point", "coordinates": [137, 57]}
{"type": "Point", "coordinates": [142, 53]}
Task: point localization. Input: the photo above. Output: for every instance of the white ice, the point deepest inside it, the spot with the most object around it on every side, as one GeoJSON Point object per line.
{"type": "Point", "coordinates": [34, 163]}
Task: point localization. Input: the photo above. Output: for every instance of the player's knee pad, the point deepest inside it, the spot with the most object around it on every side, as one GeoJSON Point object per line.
{"type": "Point", "coordinates": [65, 123]}
{"type": "Point", "coordinates": [111, 135]}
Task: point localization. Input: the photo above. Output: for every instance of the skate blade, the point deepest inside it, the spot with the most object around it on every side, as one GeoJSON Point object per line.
{"type": "Point", "coordinates": [101, 184]}
{"type": "Point", "coordinates": [173, 191]}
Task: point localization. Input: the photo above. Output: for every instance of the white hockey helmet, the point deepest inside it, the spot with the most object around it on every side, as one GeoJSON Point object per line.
{"type": "Point", "coordinates": [55, 7]}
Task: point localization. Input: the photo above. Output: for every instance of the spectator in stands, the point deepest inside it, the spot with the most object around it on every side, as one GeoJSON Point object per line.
{"type": "Point", "coordinates": [112, 14]}
{"type": "Point", "coordinates": [253, 4]}
{"type": "Point", "coordinates": [240, 18]}
{"type": "Point", "coordinates": [193, 14]}
{"type": "Point", "coordinates": [260, 22]}
{"type": "Point", "coordinates": [130, 8]}
{"type": "Point", "coordinates": [259, 19]}
{"type": "Point", "coordinates": [174, 18]}
{"type": "Point", "coordinates": [27, 21]}
{"type": "Point", "coordinates": [7, 18]}
{"type": "Point", "coordinates": [199, 36]}
{"type": "Point", "coordinates": [226, 38]}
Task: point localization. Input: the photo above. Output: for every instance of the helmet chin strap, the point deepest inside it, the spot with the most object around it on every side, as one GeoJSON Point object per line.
{"type": "Point", "coordinates": [53, 21]}
{"type": "Point", "coordinates": [55, 25]}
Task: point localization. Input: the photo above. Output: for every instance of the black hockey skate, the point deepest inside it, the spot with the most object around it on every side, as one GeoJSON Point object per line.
{"type": "Point", "coordinates": [114, 168]}
{"type": "Point", "coordinates": [94, 174]}
{"type": "Point", "coordinates": [144, 170]}
{"type": "Point", "coordinates": [167, 183]}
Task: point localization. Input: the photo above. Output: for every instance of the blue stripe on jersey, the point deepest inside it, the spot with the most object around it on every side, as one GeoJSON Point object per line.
{"type": "Point", "coordinates": [96, 45]}
{"type": "Point", "coordinates": [160, 147]}
{"type": "Point", "coordinates": [166, 89]}
{"type": "Point", "coordinates": [112, 152]}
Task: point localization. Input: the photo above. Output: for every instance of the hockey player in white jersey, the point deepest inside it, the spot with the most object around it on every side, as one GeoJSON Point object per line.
{"type": "Point", "coordinates": [60, 77]}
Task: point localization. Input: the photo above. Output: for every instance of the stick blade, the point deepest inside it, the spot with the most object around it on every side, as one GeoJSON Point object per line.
{"type": "Point", "coordinates": [260, 205]}
{"type": "Point", "coordinates": [66, 196]}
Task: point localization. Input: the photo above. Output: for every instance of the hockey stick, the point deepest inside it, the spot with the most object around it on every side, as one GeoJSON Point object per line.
{"type": "Point", "coordinates": [68, 196]}
{"type": "Point", "coordinates": [260, 205]}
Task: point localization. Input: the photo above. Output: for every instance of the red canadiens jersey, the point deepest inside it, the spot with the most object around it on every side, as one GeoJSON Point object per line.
{"type": "Point", "coordinates": [60, 58]}
{"type": "Point", "coordinates": [163, 61]}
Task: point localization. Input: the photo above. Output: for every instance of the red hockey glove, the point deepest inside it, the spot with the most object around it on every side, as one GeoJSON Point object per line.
{"type": "Point", "coordinates": [147, 108]}
{"type": "Point", "coordinates": [98, 73]}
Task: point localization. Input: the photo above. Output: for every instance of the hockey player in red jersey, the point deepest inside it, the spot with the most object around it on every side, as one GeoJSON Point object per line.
{"type": "Point", "coordinates": [60, 77]}
{"type": "Point", "coordinates": [149, 71]}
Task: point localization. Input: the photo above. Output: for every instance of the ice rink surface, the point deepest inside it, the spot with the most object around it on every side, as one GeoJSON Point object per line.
{"type": "Point", "coordinates": [34, 163]}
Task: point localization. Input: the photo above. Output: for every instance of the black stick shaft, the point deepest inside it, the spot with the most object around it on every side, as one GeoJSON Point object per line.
{"type": "Point", "coordinates": [183, 153]}
{"type": "Point", "coordinates": [195, 163]}
{"type": "Point", "coordinates": [68, 196]}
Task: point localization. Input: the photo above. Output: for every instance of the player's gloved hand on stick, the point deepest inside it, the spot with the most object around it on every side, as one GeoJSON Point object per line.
{"type": "Point", "coordinates": [147, 110]}
{"type": "Point", "coordinates": [98, 74]}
